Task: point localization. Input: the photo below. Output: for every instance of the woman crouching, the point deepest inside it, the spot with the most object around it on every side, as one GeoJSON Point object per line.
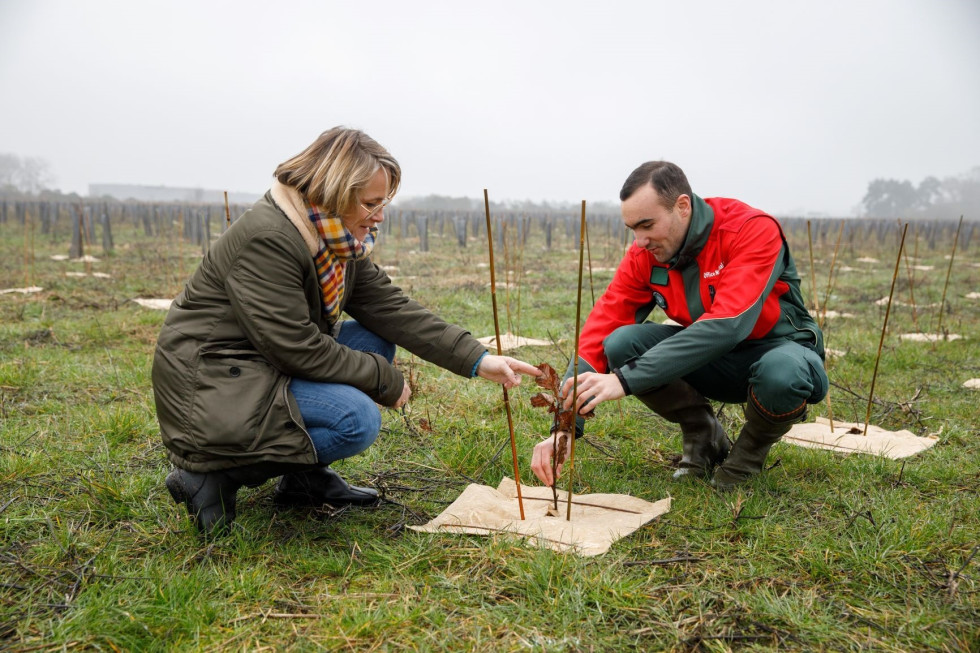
{"type": "Point", "coordinates": [255, 375]}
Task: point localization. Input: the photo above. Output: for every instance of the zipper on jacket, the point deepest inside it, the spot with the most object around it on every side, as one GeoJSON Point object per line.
{"type": "Point", "coordinates": [816, 339]}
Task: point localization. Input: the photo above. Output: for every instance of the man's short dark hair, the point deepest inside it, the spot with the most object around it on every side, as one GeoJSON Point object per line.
{"type": "Point", "coordinates": [667, 179]}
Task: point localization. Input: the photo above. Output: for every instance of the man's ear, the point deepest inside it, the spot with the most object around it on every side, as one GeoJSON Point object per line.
{"type": "Point", "coordinates": [683, 205]}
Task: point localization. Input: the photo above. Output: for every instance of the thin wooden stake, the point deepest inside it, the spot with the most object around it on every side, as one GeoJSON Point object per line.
{"type": "Point", "coordinates": [27, 245]}
{"type": "Point", "coordinates": [884, 327]}
{"type": "Point", "coordinates": [588, 249]}
{"type": "Point", "coordinates": [813, 272]}
{"type": "Point", "coordinates": [227, 212]}
{"type": "Point", "coordinates": [830, 277]}
{"type": "Point", "coordinates": [578, 320]}
{"type": "Point", "coordinates": [507, 266]}
{"type": "Point", "coordinates": [911, 275]}
{"type": "Point", "coordinates": [496, 328]}
{"type": "Point", "coordinates": [86, 241]}
{"type": "Point", "coordinates": [33, 258]}
{"type": "Point", "coordinates": [915, 257]}
{"type": "Point", "coordinates": [180, 247]}
{"type": "Point", "coordinates": [949, 270]}
{"type": "Point", "coordinates": [823, 313]}
{"type": "Point", "coordinates": [519, 276]}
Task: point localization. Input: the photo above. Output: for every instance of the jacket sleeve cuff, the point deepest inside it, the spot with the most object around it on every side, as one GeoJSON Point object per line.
{"type": "Point", "coordinates": [476, 365]}
{"type": "Point", "coordinates": [622, 381]}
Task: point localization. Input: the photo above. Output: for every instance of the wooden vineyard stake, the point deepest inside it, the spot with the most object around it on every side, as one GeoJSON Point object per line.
{"type": "Point", "coordinates": [28, 244]}
{"type": "Point", "coordinates": [180, 247]}
{"type": "Point", "coordinates": [942, 302]}
{"type": "Point", "coordinates": [588, 250]}
{"type": "Point", "coordinates": [915, 256]}
{"type": "Point", "coordinates": [496, 327]}
{"type": "Point", "coordinates": [85, 240]}
{"type": "Point", "coordinates": [830, 276]}
{"type": "Point", "coordinates": [910, 273]}
{"type": "Point", "coordinates": [578, 320]}
{"type": "Point", "coordinates": [813, 272]}
{"type": "Point", "coordinates": [526, 224]}
{"type": "Point", "coordinates": [823, 314]}
{"type": "Point", "coordinates": [884, 327]}
{"type": "Point", "coordinates": [227, 212]}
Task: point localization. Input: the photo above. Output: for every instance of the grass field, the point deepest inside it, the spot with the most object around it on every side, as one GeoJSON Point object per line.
{"type": "Point", "coordinates": [823, 552]}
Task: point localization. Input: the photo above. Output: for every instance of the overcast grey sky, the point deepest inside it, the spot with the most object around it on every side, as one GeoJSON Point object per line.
{"type": "Point", "coordinates": [790, 106]}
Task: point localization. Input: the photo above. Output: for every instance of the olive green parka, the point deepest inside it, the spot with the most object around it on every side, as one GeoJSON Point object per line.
{"type": "Point", "coordinates": [250, 319]}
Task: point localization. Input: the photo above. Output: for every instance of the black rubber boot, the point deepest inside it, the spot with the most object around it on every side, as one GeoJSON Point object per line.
{"type": "Point", "coordinates": [748, 455]}
{"type": "Point", "coordinates": [209, 497]}
{"type": "Point", "coordinates": [319, 486]}
{"type": "Point", "coordinates": [705, 443]}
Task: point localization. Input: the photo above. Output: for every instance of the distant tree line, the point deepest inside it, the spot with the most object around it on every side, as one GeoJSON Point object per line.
{"type": "Point", "coordinates": [21, 176]}
{"type": "Point", "coordinates": [30, 177]}
{"type": "Point", "coordinates": [932, 198]}
{"type": "Point", "coordinates": [466, 204]}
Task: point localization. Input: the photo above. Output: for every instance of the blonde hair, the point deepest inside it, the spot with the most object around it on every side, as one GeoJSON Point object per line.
{"type": "Point", "coordinates": [335, 166]}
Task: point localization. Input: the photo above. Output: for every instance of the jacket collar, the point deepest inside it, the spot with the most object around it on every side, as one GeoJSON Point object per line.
{"type": "Point", "coordinates": [291, 203]}
{"type": "Point", "coordinates": [702, 219]}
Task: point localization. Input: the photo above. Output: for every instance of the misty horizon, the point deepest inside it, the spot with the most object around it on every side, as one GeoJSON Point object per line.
{"type": "Point", "coordinates": [794, 109]}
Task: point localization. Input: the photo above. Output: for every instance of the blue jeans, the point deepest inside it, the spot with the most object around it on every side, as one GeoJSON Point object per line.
{"type": "Point", "coordinates": [342, 421]}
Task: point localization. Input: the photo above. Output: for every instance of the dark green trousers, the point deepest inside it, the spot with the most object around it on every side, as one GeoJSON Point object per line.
{"type": "Point", "coordinates": [779, 375]}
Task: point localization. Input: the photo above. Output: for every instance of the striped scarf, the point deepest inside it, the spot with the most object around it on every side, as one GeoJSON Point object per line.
{"type": "Point", "coordinates": [337, 246]}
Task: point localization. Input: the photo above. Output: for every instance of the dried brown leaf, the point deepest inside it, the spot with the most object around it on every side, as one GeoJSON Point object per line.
{"type": "Point", "coordinates": [549, 380]}
{"type": "Point", "coordinates": [561, 446]}
{"type": "Point", "coordinates": [542, 399]}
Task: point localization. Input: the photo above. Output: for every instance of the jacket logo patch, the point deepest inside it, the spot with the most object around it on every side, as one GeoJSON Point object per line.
{"type": "Point", "coordinates": [659, 276]}
{"type": "Point", "coordinates": [660, 300]}
{"type": "Point", "coordinates": [708, 275]}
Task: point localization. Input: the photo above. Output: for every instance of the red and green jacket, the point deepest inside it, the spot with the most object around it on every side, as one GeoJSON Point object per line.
{"type": "Point", "coordinates": [734, 280]}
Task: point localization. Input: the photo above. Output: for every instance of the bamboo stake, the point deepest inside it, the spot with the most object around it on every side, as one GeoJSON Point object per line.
{"type": "Point", "coordinates": [949, 270]}
{"type": "Point", "coordinates": [910, 273]}
{"type": "Point", "coordinates": [915, 256]}
{"type": "Point", "coordinates": [830, 407]}
{"type": "Point", "coordinates": [884, 327]}
{"type": "Point", "coordinates": [227, 212]}
{"type": "Point", "coordinates": [520, 273]}
{"type": "Point", "coordinates": [578, 319]}
{"type": "Point", "coordinates": [33, 259]}
{"type": "Point", "coordinates": [813, 272]}
{"type": "Point", "coordinates": [27, 260]}
{"type": "Point", "coordinates": [830, 277]}
{"type": "Point", "coordinates": [823, 313]}
{"type": "Point", "coordinates": [180, 247]}
{"type": "Point", "coordinates": [496, 327]}
{"type": "Point", "coordinates": [503, 242]}
{"type": "Point", "coordinates": [588, 249]}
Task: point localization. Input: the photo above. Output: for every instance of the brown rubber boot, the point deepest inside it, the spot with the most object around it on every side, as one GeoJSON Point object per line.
{"type": "Point", "coordinates": [748, 454]}
{"type": "Point", "coordinates": [705, 443]}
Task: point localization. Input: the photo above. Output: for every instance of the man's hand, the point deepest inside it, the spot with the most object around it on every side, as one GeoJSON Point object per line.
{"type": "Point", "coordinates": [406, 394]}
{"type": "Point", "coordinates": [504, 370]}
{"type": "Point", "coordinates": [593, 389]}
{"type": "Point", "coordinates": [544, 452]}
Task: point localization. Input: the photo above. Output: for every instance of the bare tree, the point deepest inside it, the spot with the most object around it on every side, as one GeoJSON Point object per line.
{"type": "Point", "coordinates": [26, 175]}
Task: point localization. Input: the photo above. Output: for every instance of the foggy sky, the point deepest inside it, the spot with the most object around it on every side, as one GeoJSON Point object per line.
{"type": "Point", "coordinates": [789, 106]}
